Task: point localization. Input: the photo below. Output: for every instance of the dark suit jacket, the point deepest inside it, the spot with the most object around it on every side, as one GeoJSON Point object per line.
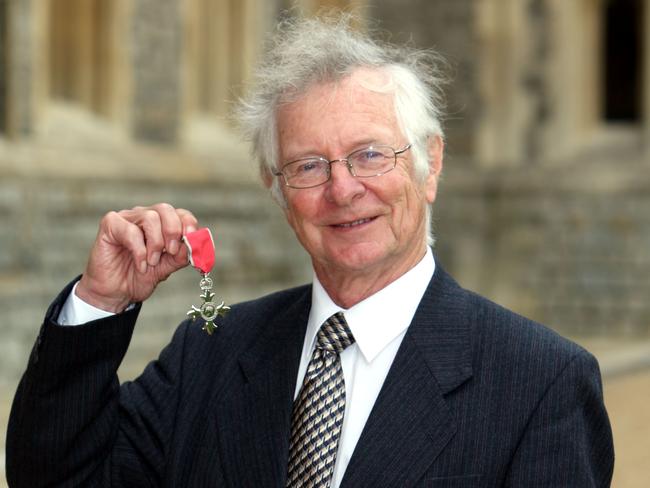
{"type": "Point", "coordinates": [476, 396]}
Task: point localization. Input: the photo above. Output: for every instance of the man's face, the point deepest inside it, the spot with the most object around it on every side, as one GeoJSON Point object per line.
{"type": "Point", "coordinates": [355, 226]}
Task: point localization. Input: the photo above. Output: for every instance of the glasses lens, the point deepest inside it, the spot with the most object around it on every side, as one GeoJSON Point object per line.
{"type": "Point", "coordinates": [372, 161]}
{"type": "Point", "coordinates": [306, 172]}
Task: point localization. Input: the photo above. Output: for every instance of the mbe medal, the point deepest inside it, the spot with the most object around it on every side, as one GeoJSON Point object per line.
{"type": "Point", "coordinates": [200, 250]}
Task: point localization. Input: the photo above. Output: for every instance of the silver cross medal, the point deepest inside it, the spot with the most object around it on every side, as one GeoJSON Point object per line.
{"type": "Point", "coordinates": [200, 251]}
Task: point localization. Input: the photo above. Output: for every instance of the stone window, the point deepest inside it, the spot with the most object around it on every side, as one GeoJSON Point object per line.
{"type": "Point", "coordinates": [80, 54]}
{"type": "Point", "coordinates": [621, 60]}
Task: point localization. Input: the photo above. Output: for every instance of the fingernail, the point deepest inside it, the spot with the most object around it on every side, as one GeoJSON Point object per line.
{"type": "Point", "coordinates": [155, 258]}
{"type": "Point", "coordinates": [190, 228]}
{"type": "Point", "coordinates": [173, 247]}
{"type": "Point", "coordinates": [143, 267]}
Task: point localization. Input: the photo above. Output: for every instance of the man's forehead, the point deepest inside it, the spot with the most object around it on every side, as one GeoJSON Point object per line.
{"type": "Point", "coordinates": [374, 79]}
{"type": "Point", "coordinates": [359, 82]}
{"type": "Point", "coordinates": [363, 98]}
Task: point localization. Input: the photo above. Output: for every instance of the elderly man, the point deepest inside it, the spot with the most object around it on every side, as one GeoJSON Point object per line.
{"type": "Point", "coordinates": [382, 373]}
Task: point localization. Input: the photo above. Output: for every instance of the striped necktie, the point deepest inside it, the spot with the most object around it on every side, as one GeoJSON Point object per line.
{"type": "Point", "coordinates": [318, 411]}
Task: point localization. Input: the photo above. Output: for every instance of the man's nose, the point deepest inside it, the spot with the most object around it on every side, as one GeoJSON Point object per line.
{"type": "Point", "coordinates": [343, 187]}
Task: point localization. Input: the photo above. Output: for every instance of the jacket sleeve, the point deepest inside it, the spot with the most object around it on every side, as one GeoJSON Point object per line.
{"type": "Point", "coordinates": [568, 439]}
{"type": "Point", "coordinates": [72, 424]}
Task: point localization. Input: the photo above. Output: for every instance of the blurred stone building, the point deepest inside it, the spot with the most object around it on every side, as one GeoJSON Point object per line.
{"type": "Point", "coordinates": [545, 203]}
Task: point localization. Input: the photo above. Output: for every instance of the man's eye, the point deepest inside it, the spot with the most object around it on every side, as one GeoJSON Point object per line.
{"type": "Point", "coordinates": [307, 167]}
{"type": "Point", "coordinates": [370, 155]}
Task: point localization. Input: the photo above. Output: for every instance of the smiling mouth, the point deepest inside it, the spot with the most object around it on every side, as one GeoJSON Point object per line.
{"type": "Point", "coordinates": [355, 223]}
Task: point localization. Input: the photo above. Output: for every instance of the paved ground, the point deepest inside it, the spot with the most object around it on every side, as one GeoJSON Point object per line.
{"type": "Point", "coordinates": [626, 368]}
{"type": "Point", "coordinates": [627, 398]}
{"type": "Point", "coordinates": [625, 365]}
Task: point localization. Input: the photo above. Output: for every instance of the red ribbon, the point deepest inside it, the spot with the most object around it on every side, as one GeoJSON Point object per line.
{"type": "Point", "coordinates": [200, 249]}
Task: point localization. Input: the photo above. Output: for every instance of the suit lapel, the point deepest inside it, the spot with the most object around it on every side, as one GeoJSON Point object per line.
{"type": "Point", "coordinates": [411, 423]}
{"type": "Point", "coordinates": [255, 437]}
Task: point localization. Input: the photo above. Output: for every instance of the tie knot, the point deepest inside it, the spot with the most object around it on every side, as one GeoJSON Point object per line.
{"type": "Point", "coordinates": [335, 334]}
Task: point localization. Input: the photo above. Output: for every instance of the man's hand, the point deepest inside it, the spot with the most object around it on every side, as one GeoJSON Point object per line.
{"type": "Point", "coordinates": [134, 251]}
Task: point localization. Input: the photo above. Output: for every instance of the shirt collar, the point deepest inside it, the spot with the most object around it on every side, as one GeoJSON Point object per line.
{"type": "Point", "coordinates": [381, 317]}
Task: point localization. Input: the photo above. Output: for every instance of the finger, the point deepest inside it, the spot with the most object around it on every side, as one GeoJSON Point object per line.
{"type": "Point", "coordinates": [148, 220]}
{"type": "Point", "coordinates": [171, 226]}
{"type": "Point", "coordinates": [188, 220]}
{"type": "Point", "coordinates": [135, 242]}
{"type": "Point", "coordinates": [121, 232]}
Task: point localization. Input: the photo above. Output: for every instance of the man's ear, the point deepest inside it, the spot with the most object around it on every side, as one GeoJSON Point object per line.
{"type": "Point", "coordinates": [267, 176]}
{"type": "Point", "coordinates": [435, 149]}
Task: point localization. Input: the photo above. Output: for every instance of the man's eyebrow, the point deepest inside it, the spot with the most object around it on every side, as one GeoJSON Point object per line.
{"type": "Point", "coordinates": [354, 146]}
{"type": "Point", "coordinates": [298, 155]}
{"type": "Point", "coordinates": [360, 144]}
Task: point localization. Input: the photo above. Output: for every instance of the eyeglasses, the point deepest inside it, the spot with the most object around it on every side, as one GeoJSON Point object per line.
{"type": "Point", "coordinates": [362, 163]}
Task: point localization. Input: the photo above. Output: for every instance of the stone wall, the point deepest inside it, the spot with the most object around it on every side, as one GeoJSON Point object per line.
{"type": "Point", "coordinates": [568, 247]}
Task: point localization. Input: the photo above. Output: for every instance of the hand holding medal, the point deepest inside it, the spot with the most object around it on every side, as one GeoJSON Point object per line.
{"type": "Point", "coordinates": [200, 247]}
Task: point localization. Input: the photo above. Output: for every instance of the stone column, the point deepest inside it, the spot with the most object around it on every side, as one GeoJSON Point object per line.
{"type": "Point", "coordinates": [19, 63]}
{"type": "Point", "coordinates": [3, 66]}
{"type": "Point", "coordinates": [84, 80]}
{"type": "Point", "coordinates": [156, 66]}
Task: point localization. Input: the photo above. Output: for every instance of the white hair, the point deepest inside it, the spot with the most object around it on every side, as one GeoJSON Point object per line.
{"type": "Point", "coordinates": [304, 52]}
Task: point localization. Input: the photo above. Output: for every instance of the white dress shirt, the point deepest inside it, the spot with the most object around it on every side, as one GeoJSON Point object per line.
{"type": "Point", "coordinates": [76, 312]}
{"type": "Point", "coordinates": [378, 324]}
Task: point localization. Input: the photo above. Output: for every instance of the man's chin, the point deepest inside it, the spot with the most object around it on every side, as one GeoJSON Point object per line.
{"type": "Point", "coordinates": [358, 257]}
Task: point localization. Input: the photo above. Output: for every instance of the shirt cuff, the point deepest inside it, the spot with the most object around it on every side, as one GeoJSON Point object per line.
{"type": "Point", "coordinates": [76, 312]}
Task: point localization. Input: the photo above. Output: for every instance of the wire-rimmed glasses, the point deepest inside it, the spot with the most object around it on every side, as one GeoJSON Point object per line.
{"type": "Point", "coordinates": [363, 163]}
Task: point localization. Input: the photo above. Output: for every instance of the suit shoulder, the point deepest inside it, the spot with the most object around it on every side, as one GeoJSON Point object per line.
{"type": "Point", "coordinates": [517, 337]}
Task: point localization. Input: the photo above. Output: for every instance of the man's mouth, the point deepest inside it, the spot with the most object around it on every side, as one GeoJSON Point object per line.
{"type": "Point", "coordinates": [355, 223]}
